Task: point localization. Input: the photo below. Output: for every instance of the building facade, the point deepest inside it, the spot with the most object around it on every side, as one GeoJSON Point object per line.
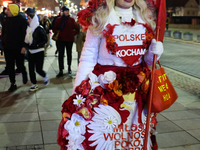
{"type": "Point", "coordinates": [183, 7]}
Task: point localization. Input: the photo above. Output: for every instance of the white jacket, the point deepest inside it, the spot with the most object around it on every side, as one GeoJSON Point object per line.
{"type": "Point", "coordinates": [95, 51]}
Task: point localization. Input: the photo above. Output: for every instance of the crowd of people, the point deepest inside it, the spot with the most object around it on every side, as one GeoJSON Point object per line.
{"type": "Point", "coordinates": [26, 35]}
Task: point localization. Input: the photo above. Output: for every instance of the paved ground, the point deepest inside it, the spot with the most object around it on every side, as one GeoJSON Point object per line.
{"type": "Point", "coordinates": [181, 57]}
{"type": "Point", "coordinates": [29, 120]}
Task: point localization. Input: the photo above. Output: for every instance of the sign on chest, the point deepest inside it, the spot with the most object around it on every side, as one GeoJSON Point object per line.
{"type": "Point", "coordinates": [130, 42]}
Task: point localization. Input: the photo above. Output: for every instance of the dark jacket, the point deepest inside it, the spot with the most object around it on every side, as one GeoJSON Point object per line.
{"type": "Point", "coordinates": [54, 20]}
{"type": "Point", "coordinates": [2, 17]}
{"type": "Point", "coordinates": [13, 33]}
{"type": "Point", "coordinates": [69, 31]}
{"type": "Point", "coordinates": [39, 38]}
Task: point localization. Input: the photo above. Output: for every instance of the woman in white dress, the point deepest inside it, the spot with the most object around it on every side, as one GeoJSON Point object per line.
{"type": "Point", "coordinates": [107, 108]}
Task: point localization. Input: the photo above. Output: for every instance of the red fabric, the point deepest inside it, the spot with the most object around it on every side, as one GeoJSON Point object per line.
{"type": "Point", "coordinates": [69, 31]}
{"type": "Point", "coordinates": [161, 19]}
{"type": "Point", "coordinates": [100, 69]}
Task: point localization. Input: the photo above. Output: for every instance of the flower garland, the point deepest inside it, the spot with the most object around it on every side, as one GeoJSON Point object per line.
{"type": "Point", "coordinates": [132, 23]}
{"type": "Point", "coordinates": [111, 45]}
{"type": "Point", "coordinates": [149, 36]}
{"type": "Point", "coordinates": [85, 15]}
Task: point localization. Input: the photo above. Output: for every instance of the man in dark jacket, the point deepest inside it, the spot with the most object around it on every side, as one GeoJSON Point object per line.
{"type": "Point", "coordinates": [13, 35]}
{"type": "Point", "coordinates": [68, 29]}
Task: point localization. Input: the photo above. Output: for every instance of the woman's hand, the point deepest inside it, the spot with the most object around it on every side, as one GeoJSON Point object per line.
{"type": "Point", "coordinates": [23, 50]}
{"type": "Point", "coordinates": [156, 48]}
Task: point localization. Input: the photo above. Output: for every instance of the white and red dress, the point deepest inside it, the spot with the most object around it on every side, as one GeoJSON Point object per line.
{"type": "Point", "coordinates": [106, 111]}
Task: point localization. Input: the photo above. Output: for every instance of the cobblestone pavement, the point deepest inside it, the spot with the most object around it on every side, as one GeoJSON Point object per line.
{"type": "Point", "coordinates": [29, 147]}
{"type": "Point", "coordinates": [182, 57]}
{"type": "Point", "coordinates": [183, 81]}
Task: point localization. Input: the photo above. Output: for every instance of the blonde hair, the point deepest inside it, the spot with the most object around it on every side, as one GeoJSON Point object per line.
{"type": "Point", "coordinates": [101, 15]}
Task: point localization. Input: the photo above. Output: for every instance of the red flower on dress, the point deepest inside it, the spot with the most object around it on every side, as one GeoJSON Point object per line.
{"type": "Point", "coordinates": [61, 140]}
{"type": "Point", "coordinates": [141, 76]}
{"type": "Point", "coordinates": [85, 15]}
{"type": "Point", "coordinates": [109, 97]}
{"type": "Point", "coordinates": [86, 113]}
{"type": "Point", "coordinates": [149, 36]}
{"type": "Point", "coordinates": [68, 105]}
{"type": "Point", "coordinates": [84, 88]}
{"type": "Point", "coordinates": [111, 45]}
{"type": "Point", "coordinates": [128, 80]}
{"type": "Point", "coordinates": [132, 23]}
{"type": "Point", "coordinates": [98, 90]}
{"type": "Point", "coordinates": [92, 100]}
{"type": "Point", "coordinates": [116, 87]}
{"type": "Point", "coordinates": [145, 85]}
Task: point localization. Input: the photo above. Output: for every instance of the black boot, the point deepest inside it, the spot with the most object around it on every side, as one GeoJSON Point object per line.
{"type": "Point", "coordinates": [12, 87]}
{"type": "Point", "coordinates": [69, 70]}
{"type": "Point", "coordinates": [56, 53]}
{"type": "Point", "coordinates": [25, 78]}
{"type": "Point", "coordinates": [60, 74]}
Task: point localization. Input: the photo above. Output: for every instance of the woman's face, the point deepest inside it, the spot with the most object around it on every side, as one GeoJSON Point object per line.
{"type": "Point", "coordinates": [29, 19]}
{"type": "Point", "coordinates": [125, 3]}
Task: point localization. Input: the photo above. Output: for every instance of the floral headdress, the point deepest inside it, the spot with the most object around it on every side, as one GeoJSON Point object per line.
{"type": "Point", "coordinates": [85, 15]}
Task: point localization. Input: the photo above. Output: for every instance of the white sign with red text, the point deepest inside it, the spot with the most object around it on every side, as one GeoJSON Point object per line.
{"type": "Point", "coordinates": [130, 42]}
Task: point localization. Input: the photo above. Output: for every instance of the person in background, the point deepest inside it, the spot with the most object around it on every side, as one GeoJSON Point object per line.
{"type": "Point", "coordinates": [46, 23]}
{"type": "Point", "coordinates": [2, 18]}
{"type": "Point", "coordinates": [13, 35]}
{"type": "Point", "coordinates": [50, 43]}
{"type": "Point", "coordinates": [3, 15]}
{"type": "Point", "coordinates": [68, 29]}
{"type": "Point", "coordinates": [167, 22]}
{"type": "Point", "coordinates": [53, 22]}
{"type": "Point", "coordinates": [80, 39]}
{"type": "Point", "coordinates": [35, 40]}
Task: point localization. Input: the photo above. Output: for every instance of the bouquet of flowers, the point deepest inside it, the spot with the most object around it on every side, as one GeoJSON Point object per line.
{"type": "Point", "coordinates": [79, 109]}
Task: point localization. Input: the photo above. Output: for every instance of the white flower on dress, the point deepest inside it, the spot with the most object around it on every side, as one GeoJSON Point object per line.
{"type": "Point", "coordinates": [79, 100]}
{"type": "Point", "coordinates": [101, 125]}
{"type": "Point", "coordinates": [93, 80]}
{"type": "Point", "coordinates": [76, 126]}
{"type": "Point", "coordinates": [106, 78]}
{"type": "Point", "coordinates": [110, 122]}
{"type": "Point", "coordinates": [75, 144]}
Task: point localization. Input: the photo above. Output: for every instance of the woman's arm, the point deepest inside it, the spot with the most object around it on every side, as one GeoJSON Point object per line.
{"type": "Point", "coordinates": [88, 58]}
{"type": "Point", "coordinates": [39, 38]}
